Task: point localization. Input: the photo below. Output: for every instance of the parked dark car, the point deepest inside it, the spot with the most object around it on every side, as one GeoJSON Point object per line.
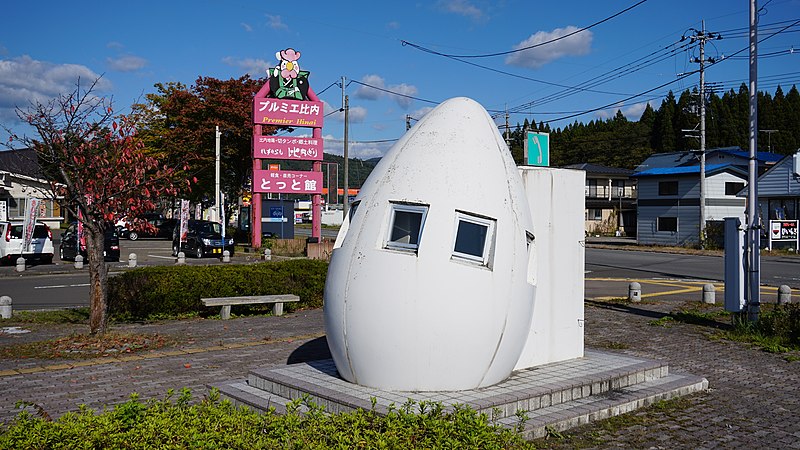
{"type": "Point", "coordinates": [68, 249]}
{"type": "Point", "coordinates": [159, 228]}
{"type": "Point", "coordinates": [203, 238]}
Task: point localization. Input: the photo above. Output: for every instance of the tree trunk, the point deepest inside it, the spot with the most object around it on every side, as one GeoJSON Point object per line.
{"type": "Point", "coordinates": [98, 281]}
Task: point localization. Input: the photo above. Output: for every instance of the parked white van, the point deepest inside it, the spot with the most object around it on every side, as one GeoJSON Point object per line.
{"type": "Point", "coordinates": [41, 247]}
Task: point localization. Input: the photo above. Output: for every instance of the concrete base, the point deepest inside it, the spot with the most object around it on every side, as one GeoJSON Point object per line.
{"type": "Point", "coordinates": [556, 396]}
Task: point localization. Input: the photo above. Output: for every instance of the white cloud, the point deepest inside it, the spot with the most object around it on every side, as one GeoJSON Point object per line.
{"type": "Point", "coordinates": [127, 63]}
{"type": "Point", "coordinates": [357, 114]}
{"type": "Point", "coordinates": [255, 67]}
{"type": "Point", "coordinates": [575, 45]}
{"type": "Point", "coordinates": [247, 27]}
{"type": "Point", "coordinates": [24, 80]}
{"type": "Point", "coordinates": [420, 113]}
{"type": "Point", "coordinates": [369, 93]}
{"type": "Point", "coordinates": [115, 45]}
{"type": "Point", "coordinates": [276, 23]}
{"type": "Point", "coordinates": [393, 25]}
{"type": "Point", "coordinates": [462, 8]}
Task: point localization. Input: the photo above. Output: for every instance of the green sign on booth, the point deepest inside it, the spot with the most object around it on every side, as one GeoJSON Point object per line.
{"type": "Point", "coordinates": [537, 149]}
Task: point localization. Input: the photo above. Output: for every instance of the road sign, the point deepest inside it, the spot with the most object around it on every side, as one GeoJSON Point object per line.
{"type": "Point", "coordinates": [537, 149]}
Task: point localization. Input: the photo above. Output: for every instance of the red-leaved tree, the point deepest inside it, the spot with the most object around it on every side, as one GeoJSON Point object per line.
{"type": "Point", "coordinates": [99, 170]}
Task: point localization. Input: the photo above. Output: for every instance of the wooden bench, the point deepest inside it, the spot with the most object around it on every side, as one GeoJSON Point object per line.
{"type": "Point", "coordinates": [226, 302]}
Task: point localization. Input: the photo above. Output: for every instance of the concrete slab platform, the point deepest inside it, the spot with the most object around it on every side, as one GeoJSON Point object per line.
{"type": "Point", "coordinates": [558, 396]}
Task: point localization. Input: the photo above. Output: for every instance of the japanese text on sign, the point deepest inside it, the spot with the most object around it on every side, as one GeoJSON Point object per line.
{"type": "Point", "coordinates": [284, 147]}
{"type": "Point", "coordinates": [287, 181]}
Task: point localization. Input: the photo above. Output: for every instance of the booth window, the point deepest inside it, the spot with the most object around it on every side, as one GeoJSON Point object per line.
{"type": "Point", "coordinates": [474, 236]}
{"type": "Point", "coordinates": [405, 227]}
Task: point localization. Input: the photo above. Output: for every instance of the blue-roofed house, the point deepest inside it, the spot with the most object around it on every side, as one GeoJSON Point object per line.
{"type": "Point", "coordinates": [668, 206]}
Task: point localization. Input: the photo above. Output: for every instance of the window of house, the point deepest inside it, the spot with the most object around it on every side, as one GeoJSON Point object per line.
{"type": "Point", "coordinates": [474, 238]}
{"type": "Point", "coordinates": [594, 214]}
{"type": "Point", "coordinates": [733, 187]}
{"type": "Point", "coordinates": [668, 224]}
{"type": "Point", "coordinates": [667, 188]}
{"type": "Point", "coordinates": [405, 226]}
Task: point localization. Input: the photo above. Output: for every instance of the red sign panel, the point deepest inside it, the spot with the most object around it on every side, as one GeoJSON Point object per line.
{"type": "Point", "coordinates": [287, 147]}
{"type": "Point", "coordinates": [287, 113]}
{"type": "Point", "coordinates": [287, 181]}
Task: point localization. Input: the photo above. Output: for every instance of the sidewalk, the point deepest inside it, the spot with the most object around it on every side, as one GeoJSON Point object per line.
{"type": "Point", "coordinates": [753, 400]}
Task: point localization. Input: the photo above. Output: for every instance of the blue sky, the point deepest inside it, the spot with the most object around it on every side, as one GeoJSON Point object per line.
{"type": "Point", "coordinates": [46, 45]}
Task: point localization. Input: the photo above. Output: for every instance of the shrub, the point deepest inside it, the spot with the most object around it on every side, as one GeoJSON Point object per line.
{"type": "Point", "coordinates": [174, 290]}
{"type": "Point", "coordinates": [216, 424]}
{"type": "Point", "coordinates": [782, 322]}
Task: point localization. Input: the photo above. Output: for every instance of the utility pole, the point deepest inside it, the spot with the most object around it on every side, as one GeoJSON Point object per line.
{"type": "Point", "coordinates": [702, 36]}
{"type": "Point", "coordinates": [753, 290]}
{"type": "Point", "coordinates": [217, 214]}
{"type": "Point", "coordinates": [346, 206]}
{"type": "Point", "coordinates": [508, 134]}
{"type": "Point", "coordinates": [346, 108]}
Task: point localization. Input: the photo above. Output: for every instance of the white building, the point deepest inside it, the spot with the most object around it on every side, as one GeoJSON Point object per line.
{"type": "Point", "coordinates": [21, 179]}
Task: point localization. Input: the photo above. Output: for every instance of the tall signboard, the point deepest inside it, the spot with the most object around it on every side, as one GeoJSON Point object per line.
{"type": "Point", "coordinates": [287, 100]}
{"type": "Point", "coordinates": [537, 149]}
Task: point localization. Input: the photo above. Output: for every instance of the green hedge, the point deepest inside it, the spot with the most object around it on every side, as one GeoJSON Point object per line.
{"type": "Point", "coordinates": [211, 424]}
{"type": "Point", "coordinates": [174, 290]}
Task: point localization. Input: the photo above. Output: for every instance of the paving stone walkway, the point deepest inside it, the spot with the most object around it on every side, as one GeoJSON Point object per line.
{"type": "Point", "coordinates": [753, 400]}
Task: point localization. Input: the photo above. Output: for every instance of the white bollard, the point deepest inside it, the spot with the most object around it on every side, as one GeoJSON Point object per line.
{"type": "Point", "coordinates": [20, 264]}
{"type": "Point", "coordinates": [181, 258]}
{"type": "Point", "coordinates": [132, 260]}
{"type": "Point", "coordinates": [5, 307]}
{"type": "Point", "coordinates": [267, 254]}
{"type": "Point", "coordinates": [79, 262]}
{"type": "Point", "coordinates": [784, 294]}
{"type": "Point", "coordinates": [635, 292]}
{"type": "Point", "coordinates": [709, 294]}
{"type": "Point", "coordinates": [226, 256]}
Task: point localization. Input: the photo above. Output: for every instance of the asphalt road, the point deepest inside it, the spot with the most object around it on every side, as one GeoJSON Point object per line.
{"type": "Point", "coordinates": [37, 288]}
{"type": "Point", "coordinates": [602, 262]}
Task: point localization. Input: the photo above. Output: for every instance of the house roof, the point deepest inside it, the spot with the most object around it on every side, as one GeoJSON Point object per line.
{"type": "Point", "coordinates": [690, 158]}
{"type": "Point", "coordinates": [599, 169]}
{"type": "Point", "coordinates": [765, 157]}
{"type": "Point", "coordinates": [688, 170]}
{"type": "Point", "coordinates": [22, 162]}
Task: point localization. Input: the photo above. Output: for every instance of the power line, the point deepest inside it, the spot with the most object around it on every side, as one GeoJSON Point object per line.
{"type": "Point", "coordinates": [488, 55]}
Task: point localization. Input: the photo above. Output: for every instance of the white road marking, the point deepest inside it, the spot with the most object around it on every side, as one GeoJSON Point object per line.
{"type": "Point", "coordinates": [159, 256]}
{"type": "Point", "coordinates": [57, 286]}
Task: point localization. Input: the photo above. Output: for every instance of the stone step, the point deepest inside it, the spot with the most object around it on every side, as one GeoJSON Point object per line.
{"type": "Point", "coordinates": [539, 422]}
{"type": "Point", "coordinates": [527, 390]}
{"type": "Point", "coordinates": [612, 403]}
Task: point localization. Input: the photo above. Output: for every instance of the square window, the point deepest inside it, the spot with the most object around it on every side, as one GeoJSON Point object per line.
{"type": "Point", "coordinates": [405, 226]}
{"type": "Point", "coordinates": [594, 214]}
{"type": "Point", "coordinates": [474, 238]}
{"type": "Point", "coordinates": [668, 224]}
{"type": "Point", "coordinates": [667, 188]}
{"type": "Point", "coordinates": [733, 188]}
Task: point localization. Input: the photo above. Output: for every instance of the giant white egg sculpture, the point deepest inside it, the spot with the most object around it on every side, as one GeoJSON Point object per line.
{"type": "Point", "coordinates": [428, 286]}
